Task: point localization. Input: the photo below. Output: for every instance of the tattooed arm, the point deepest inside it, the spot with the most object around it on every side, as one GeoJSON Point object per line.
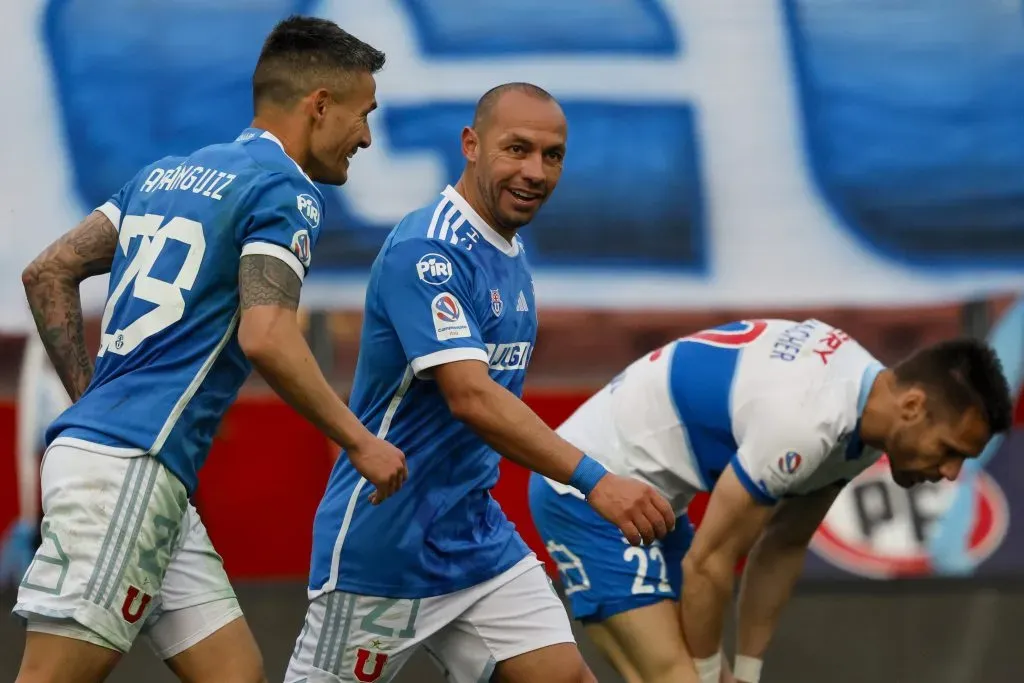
{"type": "Point", "coordinates": [270, 336]}
{"type": "Point", "coordinates": [51, 285]}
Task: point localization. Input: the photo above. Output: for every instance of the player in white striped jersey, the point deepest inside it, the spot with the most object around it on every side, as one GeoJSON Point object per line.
{"type": "Point", "coordinates": [773, 417]}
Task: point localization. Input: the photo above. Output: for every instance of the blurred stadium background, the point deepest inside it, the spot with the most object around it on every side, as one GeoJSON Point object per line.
{"type": "Point", "coordinates": [861, 161]}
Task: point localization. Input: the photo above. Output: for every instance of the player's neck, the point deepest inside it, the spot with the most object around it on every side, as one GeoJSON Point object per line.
{"type": "Point", "coordinates": [879, 411]}
{"type": "Point", "coordinates": [472, 196]}
{"type": "Point", "coordinates": [286, 135]}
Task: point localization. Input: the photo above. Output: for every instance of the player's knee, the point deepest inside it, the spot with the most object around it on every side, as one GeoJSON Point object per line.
{"type": "Point", "coordinates": [664, 668]}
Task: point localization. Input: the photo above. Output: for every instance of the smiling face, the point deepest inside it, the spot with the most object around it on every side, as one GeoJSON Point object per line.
{"type": "Point", "coordinates": [341, 128]}
{"type": "Point", "coordinates": [516, 156]}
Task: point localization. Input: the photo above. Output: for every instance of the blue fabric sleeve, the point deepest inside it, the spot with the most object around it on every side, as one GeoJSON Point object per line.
{"type": "Point", "coordinates": [282, 218]}
{"type": "Point", "coordinates": [427, 289]}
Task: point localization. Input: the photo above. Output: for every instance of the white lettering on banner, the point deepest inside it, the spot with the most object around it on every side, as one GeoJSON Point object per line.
{"type": "Point", "coordinates": [736, 59]}
{"type": "Point", "coordinates": [510, 356]}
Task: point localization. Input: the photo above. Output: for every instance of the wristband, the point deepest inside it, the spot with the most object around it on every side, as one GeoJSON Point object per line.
{"type": "Point", "coordinates": [747, 669]}
{"type": "Point", "coordinates": [586, 475]}
{"type": "Point", "coordinates": [709, 670]}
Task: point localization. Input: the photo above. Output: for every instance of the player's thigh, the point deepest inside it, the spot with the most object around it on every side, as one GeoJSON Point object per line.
{"type": "Point", "coordinates": [64, 652]}
{"type": "Point", "coordinates": [356, 638]}
{"type": "Point", "coordinates": [516, 625]}
{"type": "Point", "coordinates": [646, 644]}
{"type": "Point", "coordinates": [198, 628]}
{"type": "Point", "coordinates": [108, 532]}
{"type": "Point", "coordinates": [601, 573]}
{"type": "Point", "coordinates": [228, 655]}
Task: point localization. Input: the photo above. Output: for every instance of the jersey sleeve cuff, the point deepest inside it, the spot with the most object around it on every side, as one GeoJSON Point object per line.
{"type": "Point", "coordinates": [113, 214]}
{"type": "Point", "coordinates": [278, 252]}
{"type": "Point", "coordinates": [755, 491]}
{"type": "Point", "coordinates": [422, 365]}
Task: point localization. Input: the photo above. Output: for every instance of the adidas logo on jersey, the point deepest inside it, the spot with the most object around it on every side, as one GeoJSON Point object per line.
{"type": "Point", "coordinates": [521, 303]}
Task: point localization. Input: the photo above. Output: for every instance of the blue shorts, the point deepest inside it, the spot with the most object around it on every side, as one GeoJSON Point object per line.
{"type": "Point", "coordinates": [602, 574]}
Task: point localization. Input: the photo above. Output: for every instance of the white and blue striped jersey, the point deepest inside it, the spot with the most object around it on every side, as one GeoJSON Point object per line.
{"type": "Point", "coordinates": [445, 287]}
{"type": "Point", "coordinates": [779, 400]}
{"type": "Point", "coordinates": [169, 362]}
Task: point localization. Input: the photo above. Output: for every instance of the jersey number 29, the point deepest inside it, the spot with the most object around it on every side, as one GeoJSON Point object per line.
{"type": "Point", "coordinates": [170, 304]}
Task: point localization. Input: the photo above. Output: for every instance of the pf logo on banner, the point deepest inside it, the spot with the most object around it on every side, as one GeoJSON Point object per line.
{"type": "Point", "coordinates": [880, 530]}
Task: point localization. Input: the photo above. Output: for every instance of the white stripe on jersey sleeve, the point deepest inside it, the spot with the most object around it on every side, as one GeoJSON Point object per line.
{"type": "Point", "coordinates": [437, 212]}
{"type": "Point", "coordinates": [278, 252]}
{"type": "Point", "coordinates": [422, 364]}
{"type": "Point", "coordinates": [112, 213]}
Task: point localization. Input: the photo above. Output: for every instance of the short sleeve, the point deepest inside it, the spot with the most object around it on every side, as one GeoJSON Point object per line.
{"type": "Point", "coordinates": [283, 219]}
{"type": "Point", "coordinates": [780, 449]}
{"type": "Point", "coordinates": [426, 288]}
{"type": "Point", "coordinates": [114, 207]}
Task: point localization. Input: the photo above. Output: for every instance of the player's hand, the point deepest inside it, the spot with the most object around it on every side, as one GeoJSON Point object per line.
{"type": "Point", "coordinates": [382, 464]}
{"type": "Point", "coordinates": [640, 512]}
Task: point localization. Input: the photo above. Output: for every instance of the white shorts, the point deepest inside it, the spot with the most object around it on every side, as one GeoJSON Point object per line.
{"type": "Point", "coordinates": [365, 639]}
{"type": "Point", "coordinates": [123, 553]}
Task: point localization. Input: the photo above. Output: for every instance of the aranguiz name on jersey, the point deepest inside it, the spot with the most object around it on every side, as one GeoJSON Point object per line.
{"type": "Point", "coordinates": [208, 182]}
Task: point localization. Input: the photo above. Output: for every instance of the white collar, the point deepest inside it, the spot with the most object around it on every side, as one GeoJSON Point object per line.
{"type": "Point", "coordinates": [489, 233]}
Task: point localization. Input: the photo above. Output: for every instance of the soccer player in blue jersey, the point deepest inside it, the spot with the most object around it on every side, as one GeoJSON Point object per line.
{"type": "Point", "coordinates": [206, 254]}
{"type": "Point", "coordinates": [450, 323]}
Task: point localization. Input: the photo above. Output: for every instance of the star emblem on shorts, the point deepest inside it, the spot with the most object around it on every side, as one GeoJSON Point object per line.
{"type": "Point", "coordinates": [375, 643]}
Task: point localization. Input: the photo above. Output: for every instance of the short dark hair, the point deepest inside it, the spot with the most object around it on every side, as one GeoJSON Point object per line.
{"type": "Point", "coordinates": [304, 53]}
{"type": "Point", "coordinates": [962, 374]}
{"type": "Point", "coordinates": [485, 105]}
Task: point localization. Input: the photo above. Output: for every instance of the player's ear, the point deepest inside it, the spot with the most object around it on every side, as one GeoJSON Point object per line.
{"type": "Point", "coordinates": [319, 101]}
{"type": "Point", "coordinates": [911, 404]}
{"type": "Point", "coordinates": [470, 144]}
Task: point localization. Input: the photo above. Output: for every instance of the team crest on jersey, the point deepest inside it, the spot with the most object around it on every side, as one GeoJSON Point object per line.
{"type": "Point", "coordinates": [449, 321]}
{"type": "Point", "coordinates": [301, 247]}
{"type": "Point", "coordinates": [310, 209]}
{"type": "Point", "coordinates": [496, 303]}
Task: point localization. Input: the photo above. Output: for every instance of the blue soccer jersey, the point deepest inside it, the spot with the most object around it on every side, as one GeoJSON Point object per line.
{"type": "Point", "coordinates": [169, 362]}
{"type": "Point", "coordinates": [445, 287]}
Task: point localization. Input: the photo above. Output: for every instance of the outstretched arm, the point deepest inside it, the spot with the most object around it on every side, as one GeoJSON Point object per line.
{"type": "Point", "coordinates": [51, 285]}
{"type": "Point", "coordinates": [509, 426]}
{"type": "Point", "coordinates": [773, 567]}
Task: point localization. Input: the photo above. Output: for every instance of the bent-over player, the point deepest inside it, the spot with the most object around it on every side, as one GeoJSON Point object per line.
{"type": "Point", "coordinates": [773, 417]}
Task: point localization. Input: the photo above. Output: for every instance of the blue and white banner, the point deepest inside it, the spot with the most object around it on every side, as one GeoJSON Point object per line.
{"type": "Point", "coordinates": [728, 153]}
